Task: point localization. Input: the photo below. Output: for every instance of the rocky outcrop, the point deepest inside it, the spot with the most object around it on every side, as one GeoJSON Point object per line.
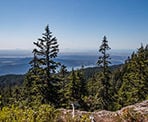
{"type": "Point", "coordinates": [132, 113]}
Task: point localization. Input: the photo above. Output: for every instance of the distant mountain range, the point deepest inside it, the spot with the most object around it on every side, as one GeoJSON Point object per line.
{"type": "Point", "coordinates": [17, 62]}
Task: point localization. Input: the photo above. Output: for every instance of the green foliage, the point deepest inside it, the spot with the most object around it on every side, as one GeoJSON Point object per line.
{"type": "Point", "coordinates": [103, 87]}
{"type": "Point", "coordinates": [73, 88]}
{"type": "Point", "coordinates": [103, 62]}
{"type": "Point", "coordinates": [44, 113]}
{"type": "Point", "coordinates": [11, 80]}
{"type": "Point", "coordinates": [92, 102]}
{"type": "Point", "coordinates": [32, 91]}
{"type": "Point", "coordinates": [134, 86]}
{"type": "Point", "coordinates": [132, 116]}
{"type": "Point", "coordinates": [40, 82]}
{"type": "Point", "coordinates": [0, 101]}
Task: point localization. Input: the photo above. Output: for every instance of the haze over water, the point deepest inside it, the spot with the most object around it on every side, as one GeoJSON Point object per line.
{"type": "Point", "coordinates": [17, 61]}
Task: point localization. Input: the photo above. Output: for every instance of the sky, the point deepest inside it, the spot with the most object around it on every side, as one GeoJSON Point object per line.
{"type": "Point", "coordinates": [77, 24]}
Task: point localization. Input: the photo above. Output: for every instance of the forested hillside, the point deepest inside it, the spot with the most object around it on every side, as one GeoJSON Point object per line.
{"type": "Point", "coordinates": [45, 88]}
{"type": "Point", "coordinates": [11, 80]}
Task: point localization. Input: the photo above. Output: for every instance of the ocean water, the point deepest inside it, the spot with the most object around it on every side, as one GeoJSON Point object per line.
{"type": "Point", "coordinates": [20, 64]}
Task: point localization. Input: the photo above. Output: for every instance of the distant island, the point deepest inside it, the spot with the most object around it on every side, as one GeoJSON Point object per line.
{"type": "Point", "coordinates": [17, 61]}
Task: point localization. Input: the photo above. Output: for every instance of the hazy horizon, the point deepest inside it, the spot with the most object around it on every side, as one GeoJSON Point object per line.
{"type": "Point", "coordinates": [17, 62]}
{"type": "Point", "coordinates": [22, 52]}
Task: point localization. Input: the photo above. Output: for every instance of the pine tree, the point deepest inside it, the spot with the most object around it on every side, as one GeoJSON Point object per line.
{"type": "Point", "coordinates": [33, 83]}
{"type": "Point", "coordinates": [92, 99]}
{"type": "Point", "coordinates": [62, 76]}
{"type": "Point", "coordinates": [73, 91]}
{"type": "Point", "coordinates": [72, 87]}
{"type": "Point", "coordinates": [47, 50]}
{"type": "Point", "coordinates": [103, 62]}
{"type": "Point", "coordinates": [63, 71]}
{"type": "Point", "coordinates": [40, 78]}
{"type": "Point", "coordinates": [134, 81]}
{"type": "Point", "coordinates": [82, 88]}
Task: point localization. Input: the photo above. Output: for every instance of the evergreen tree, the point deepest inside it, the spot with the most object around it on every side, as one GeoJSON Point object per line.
{"type": "Point", "coordinates": [72, 88]}
{"type": "Point", "coordinates": [63, 71]}
{"type": "Point", "coordinates": [62, 76]}
{"type": "Point", "coordinates": [75, 88]}
{"type": "Point", "coordinates": [33, 83]}
{"type": "Point", "coordinates": [92, 100]}
{"type": "Point", "coordinates": [103, 62]}
{"type": "Point", "coordinates": [92, 85]}
{"type": "Point", "coordinates": [82, 88]}
{"type": "Point", "coordinates": [135, 84]}
{"type": "Point", "coordinates": [47, 50]}
{"type": "Point", "coordinates": [40, 78]}
{"type": "Point", "coordinates": [82, 80]}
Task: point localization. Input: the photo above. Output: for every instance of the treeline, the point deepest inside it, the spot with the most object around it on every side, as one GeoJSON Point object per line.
{"type": "Point", "coordinates": [49, 82]}
{"type": "Point", "coordinates": [11, 80]}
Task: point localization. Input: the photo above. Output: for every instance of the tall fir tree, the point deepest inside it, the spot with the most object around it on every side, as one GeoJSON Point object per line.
{"type": "Point", "coordinates": [43, 67]}
{"type": "Point", "coordinates": [47, 50]}
{"type": "Point", "coordinates": [75, 88]}
{"type": "Point", "coordinates": [72, 88]}
{"type": "Point", "coordinates": [103, 62]}
{"type": "Point", "coordinates": [62, 76]}
{"type": "Point", "coordinates": [82, 80]}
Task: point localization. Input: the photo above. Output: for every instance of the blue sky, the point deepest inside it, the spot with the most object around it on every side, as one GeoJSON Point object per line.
{"type": "Point", "coordinates": [77, 24]}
